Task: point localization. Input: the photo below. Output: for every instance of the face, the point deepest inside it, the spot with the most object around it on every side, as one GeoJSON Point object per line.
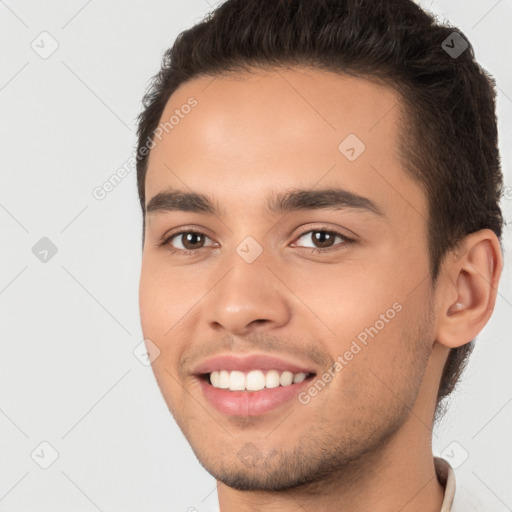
{"type": "Point", "coordinates": [285, 261]}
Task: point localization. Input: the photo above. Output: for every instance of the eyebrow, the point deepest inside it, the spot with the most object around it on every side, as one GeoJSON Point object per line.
{"type": "Point", "coordinates": [293, 200]}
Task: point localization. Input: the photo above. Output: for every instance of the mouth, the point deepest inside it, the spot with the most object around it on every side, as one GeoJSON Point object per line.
{"type": "Point", "coordinates": [253, 385]}
{"type": "Point", "coordinates": [254, 380]}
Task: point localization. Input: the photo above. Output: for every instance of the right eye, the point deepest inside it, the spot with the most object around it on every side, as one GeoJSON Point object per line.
{"type": "Point", "coordinates": [186, 241]}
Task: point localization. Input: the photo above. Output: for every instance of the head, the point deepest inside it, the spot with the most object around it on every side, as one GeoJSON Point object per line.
{"type": "Point", "coordinates": [271, 98]}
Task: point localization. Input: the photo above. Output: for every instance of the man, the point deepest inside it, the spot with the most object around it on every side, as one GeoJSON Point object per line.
{"type": "Point", "coordinates": [320, 184]}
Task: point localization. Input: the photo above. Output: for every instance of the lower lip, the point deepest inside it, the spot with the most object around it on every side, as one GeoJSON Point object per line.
{"type": "Point", "coordinates": [250, 403]}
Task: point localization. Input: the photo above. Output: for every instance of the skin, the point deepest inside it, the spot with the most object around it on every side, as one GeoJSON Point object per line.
{"type": "Point", "coordinates": [363, 442]}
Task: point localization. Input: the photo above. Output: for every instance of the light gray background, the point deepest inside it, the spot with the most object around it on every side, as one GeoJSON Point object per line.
{"type": "Point", "coordinates": [68, 375]}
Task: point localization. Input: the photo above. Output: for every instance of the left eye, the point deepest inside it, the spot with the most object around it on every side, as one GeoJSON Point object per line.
{"type": "Point", "coordinates": [322, 239]}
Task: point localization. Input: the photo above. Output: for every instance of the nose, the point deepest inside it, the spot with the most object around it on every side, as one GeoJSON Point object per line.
{"type": "Point", "coordinates": [249, 297]}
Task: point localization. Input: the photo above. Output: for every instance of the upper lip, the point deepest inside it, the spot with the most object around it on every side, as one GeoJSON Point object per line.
{"type": "Point", "coordinates": [245, 363]}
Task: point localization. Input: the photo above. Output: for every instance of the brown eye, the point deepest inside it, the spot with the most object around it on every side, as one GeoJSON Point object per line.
{"type": "Point", "coordinates": [322, 239]}
{"type": "Point", "coordinates": [192, 240]}
{"type": "Point", "coordinates": [186, 241]}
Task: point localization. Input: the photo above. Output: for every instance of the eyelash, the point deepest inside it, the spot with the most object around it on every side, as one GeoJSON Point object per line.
{"type": "Point", "coordinates": [313, 250]}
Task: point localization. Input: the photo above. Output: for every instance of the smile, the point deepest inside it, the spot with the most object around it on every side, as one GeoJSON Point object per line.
{"type": "Point", "coordinates": [254, 380]}
{"type": "Point", "coordinates": [251, 384]}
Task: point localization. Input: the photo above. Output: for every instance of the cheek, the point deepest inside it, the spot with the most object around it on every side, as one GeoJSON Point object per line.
{"type": "Point", "coordinates": [371, 311]}
{"type": "Point", "coordinates": [381, 377]}
{"type": "Point", "coordinates": [166, 296]}
{"type": "Point", "coordinates": [397, 349]}
{"type": "Point", "coordinates": [347, 299]}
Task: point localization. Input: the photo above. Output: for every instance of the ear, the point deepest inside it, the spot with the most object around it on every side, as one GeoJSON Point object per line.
{"type": "Point", "coordinates": [467, 288]}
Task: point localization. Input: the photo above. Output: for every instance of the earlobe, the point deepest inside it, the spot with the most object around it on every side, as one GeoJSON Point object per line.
{"type": "Point", "coordinates": [466, 298]}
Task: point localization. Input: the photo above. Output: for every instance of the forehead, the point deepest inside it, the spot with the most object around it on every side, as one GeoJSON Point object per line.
{"type": "Point", "coordinates": [250, 134]}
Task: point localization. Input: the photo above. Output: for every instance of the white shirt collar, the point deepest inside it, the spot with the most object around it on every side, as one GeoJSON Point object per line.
{"type": "Point", "coordinates": [446, 477]}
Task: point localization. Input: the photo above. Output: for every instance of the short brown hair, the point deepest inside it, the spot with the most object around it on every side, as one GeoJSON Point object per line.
{"type": "Point", "coordinates": [449, 144]}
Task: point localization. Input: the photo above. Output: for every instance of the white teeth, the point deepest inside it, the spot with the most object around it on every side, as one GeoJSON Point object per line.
{"type": "Point", "coordinates": [272, 379]}
{"type": "Point", "coordinates": [253, 380]}
{"type": "Point", "coordinates": [298, 377]}
{"type": "Point", "coordinates": [286, 378]}
{"type": "Point", "coordinates": [237, 381]}
{"type": "Point", "coordinates": [224, 379]}
{"type": "Point", "coordinates": [214, 379]}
